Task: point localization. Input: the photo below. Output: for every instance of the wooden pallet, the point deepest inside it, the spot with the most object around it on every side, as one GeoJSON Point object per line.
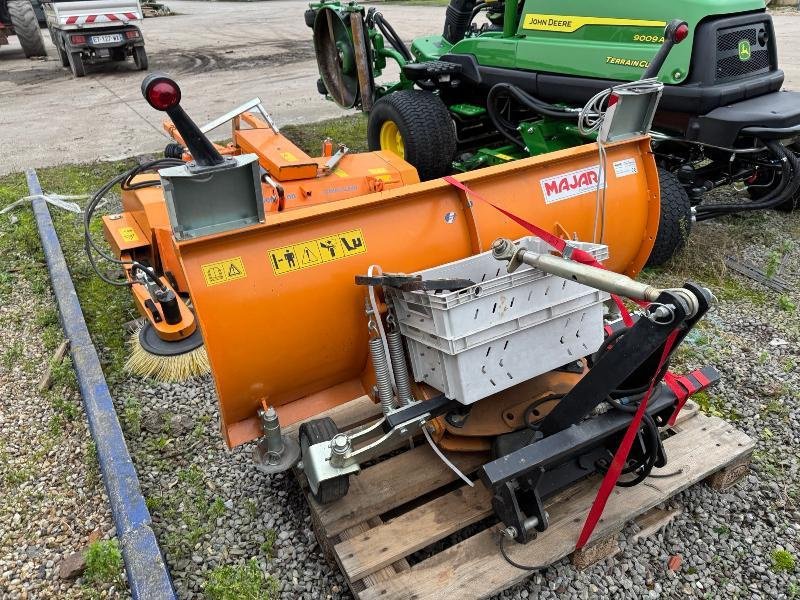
{"type": "Point", "coordinates": [412, 500]}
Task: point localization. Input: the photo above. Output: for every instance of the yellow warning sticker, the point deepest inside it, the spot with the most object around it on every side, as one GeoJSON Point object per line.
{"type": "Point", "coordinates": [223, 271]}
{"type": "Point", "coordinates": [288, 157]}
{"type": "Point", "coordinates": [378, 171]}
{"type": "Point", "coordinates": [340, 173]}
{"type": "Point", "coordinates": [569, 23]}
{"type": "Point", "coordinates": [312, 253]}
{"type": "Point", "coordinates": [504, 156]}
{"type": "Point", "coordinates": [128, 234]}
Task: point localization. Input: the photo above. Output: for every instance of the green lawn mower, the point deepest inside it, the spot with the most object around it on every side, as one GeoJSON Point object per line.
{"type": "Point", "coordinates": [507, 79]}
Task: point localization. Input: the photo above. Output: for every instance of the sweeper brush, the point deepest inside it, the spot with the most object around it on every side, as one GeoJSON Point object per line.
{"type": "Point", "coordinates": [150, 356]}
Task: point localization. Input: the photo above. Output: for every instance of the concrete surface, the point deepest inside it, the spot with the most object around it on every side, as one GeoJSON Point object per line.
{"type": "Point", "coordinates": [222, 54]}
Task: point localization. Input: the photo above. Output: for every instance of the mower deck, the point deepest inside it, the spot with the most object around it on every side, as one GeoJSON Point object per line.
{"type": "Point", "coordinates": [411, 500]}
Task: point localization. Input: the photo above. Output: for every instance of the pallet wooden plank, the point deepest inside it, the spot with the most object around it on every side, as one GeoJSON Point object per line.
{"type": "Point", "coordinates": [387, 572]}
{"type": "Point", "coordinates": [474, 567]}
{"type": "Point", "coordinates": [391, 483]}
{"type": "Point", "coordinates": [368, 552]}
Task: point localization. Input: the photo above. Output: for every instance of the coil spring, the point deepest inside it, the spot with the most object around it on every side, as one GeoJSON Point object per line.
{"type": "Point", "coordinates": [398, 357]}
{"type": "Point", "coordinates": [384, 380]}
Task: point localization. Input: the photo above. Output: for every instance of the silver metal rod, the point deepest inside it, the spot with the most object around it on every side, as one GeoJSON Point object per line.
{"type": "Point", "coordinates": [608, 281]}
{"type": "Point", "coordinates": [221, 120]}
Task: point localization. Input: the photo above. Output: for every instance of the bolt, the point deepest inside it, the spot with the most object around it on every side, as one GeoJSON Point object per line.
{"type": "Point", "coordinates": [340, 443]}
{"type": "Point", "coordinates": [510, 532]}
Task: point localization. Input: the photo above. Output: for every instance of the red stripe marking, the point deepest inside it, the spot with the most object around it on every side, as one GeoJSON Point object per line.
{"type": "Point", "coordinates": [91, 18]}
{"type": "Point", "coordinates": [112, 17]}
{"type": "Point", "coordinates": [701, 378]}
{"type": "Point", "coordinates": [71, 20]}
{"type": "Point", "coordinates": [130, 15]}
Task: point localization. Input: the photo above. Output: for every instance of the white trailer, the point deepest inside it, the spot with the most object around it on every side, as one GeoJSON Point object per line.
{"type": "Point", "coordinates": [94, 31]}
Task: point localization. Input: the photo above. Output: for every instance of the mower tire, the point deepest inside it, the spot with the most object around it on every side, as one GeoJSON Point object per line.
{"type": "Point", "coordinates": [26, 27]}
{"type": "Point", "coordinates": [675, 222]}
{"type": "Point", "coordinates": [315, 432]}
{"type": "Point", "coordinates": [415, 125]}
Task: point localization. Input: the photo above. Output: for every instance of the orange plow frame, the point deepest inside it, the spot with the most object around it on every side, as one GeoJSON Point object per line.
{"type": "Point", "coordinates": [291, 330]}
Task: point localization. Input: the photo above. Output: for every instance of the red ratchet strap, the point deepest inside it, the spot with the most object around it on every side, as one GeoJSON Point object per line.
{"type": "Point", "coordinates": [683, 387]}
{"type": "Point", "coordinates": [556, 242]}
{"type": "Point", "coordinates": [614, 471]}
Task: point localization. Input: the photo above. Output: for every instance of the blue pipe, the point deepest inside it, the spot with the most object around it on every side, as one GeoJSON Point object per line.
{"type": "Point", "coordinates": [148, 577]}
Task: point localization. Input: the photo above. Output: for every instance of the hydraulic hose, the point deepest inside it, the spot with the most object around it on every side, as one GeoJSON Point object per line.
{"type": "Point", "coordinates": [787, 187]}
{"type": "Point", "coordinates": [513, 92]}
{"type": "Point", "coordinates": [125, 181]}
{"type": "Point", "coordinates": [391, 35]}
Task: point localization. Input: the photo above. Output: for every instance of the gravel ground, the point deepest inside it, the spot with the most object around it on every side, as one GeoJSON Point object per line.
{"type": "Point", "coordinates": [212, 510]}
{"type": "Point", "coordinates": [52, 503]}
{"type": "Point", "coordinates": [726, 540]}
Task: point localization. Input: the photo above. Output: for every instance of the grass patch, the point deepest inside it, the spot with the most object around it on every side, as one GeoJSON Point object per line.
{"type": "Point", "coordinates": [268, 545]}
{"type": "Point", "coordinates": [350, 130]}
{"type": "Point", "coordinates": [715, 406]}
{"type": "Point", "coordinates": [104, 562]}
{"type": "Point", "coordinates": [783, 561]}
{"type": "Point", "coordinates": [246, 581]}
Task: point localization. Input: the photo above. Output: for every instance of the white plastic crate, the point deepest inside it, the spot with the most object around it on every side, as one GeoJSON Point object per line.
{"type": "Point", "coordinates": [497, 296]}
{"type": "Point", "coordinates": [505, 329]}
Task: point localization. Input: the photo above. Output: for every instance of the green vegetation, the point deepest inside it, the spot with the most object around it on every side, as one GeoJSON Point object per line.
{"type": "Point", "coordinates": [786, 304]}
{"type": "Point", "coordinates": [104, 562]}
{"type": "Point", "coordinates": [783, 560]}
{"type": "Point", "coordinates": [268, 545]}
{"type": "Point", "coordinates": [350, 130]}
{"type": "Point", "coordinates": [715, 406]}
{"type": "Point", "coordinates": [241, 582]}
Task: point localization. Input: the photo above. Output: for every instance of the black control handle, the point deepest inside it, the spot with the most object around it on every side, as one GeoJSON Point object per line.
{"type": "Point", "coordinates": [674, 33]}
{"type": "Point", "coordinates": [162, 93]}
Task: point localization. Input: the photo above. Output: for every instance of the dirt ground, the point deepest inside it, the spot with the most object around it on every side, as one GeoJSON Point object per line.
{"type": "Point", "coordinates": [222, 54]}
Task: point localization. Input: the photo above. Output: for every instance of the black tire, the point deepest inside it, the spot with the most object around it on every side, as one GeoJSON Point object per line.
{"type": "Point", "coordinates": [76, 64]}
{"type": "Point", "coordinates": [140, 58]}
{"type": "Point", "coordinates": [315, 432]}
{"type": "Point", "coordinates": [675, 222]}
{"type": "Point", "coordinates": [425, 126]}
{"type": "Point", "coordinates": [62, 54]}
{"type": "Point", "coordinates": [26, 27]}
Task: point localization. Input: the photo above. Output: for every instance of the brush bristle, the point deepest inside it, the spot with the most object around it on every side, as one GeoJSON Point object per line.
{"type": "Point", "coordinates": [166, 368]}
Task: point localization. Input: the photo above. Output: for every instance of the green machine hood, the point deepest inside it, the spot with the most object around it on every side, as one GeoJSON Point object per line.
{"type": "Point", "coordinates": [614, 39]}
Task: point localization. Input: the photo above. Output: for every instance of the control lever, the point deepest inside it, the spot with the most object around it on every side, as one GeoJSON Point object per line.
{"type": "Point", "coordinates": [162, 93]}
{"type": "Point", "coordinates": [675, 32]}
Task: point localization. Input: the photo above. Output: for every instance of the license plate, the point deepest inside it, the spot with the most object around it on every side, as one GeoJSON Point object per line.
{"type": "Point", "coordinates": [107, 39]}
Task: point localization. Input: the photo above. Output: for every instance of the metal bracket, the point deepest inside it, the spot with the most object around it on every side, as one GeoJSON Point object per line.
{"type": "Point", "coordinates": [342, 456]}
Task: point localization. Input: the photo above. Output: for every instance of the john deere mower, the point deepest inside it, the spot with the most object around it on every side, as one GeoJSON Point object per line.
{"type": "Point", "coordinates": [507, 79]}
{"type": "Point", "coordinates": [313, 282]}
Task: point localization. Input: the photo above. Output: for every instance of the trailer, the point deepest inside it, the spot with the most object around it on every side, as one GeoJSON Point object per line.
{"type": "Point", "coordinates": [96, 31]}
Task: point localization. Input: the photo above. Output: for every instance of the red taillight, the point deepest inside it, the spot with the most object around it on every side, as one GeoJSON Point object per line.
{"type": "Point", "coordinates": [163, 94]}
{"type": "Point", "coordinates": [681, 33]}
{"type": "Point", "coordinates": [78, 39]}
{"type": "Point", "coordinates": [132, 34]}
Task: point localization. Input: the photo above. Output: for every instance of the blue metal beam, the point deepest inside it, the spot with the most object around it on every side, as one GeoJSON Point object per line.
{"type": "Point", "coordinates": [147, 572]}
